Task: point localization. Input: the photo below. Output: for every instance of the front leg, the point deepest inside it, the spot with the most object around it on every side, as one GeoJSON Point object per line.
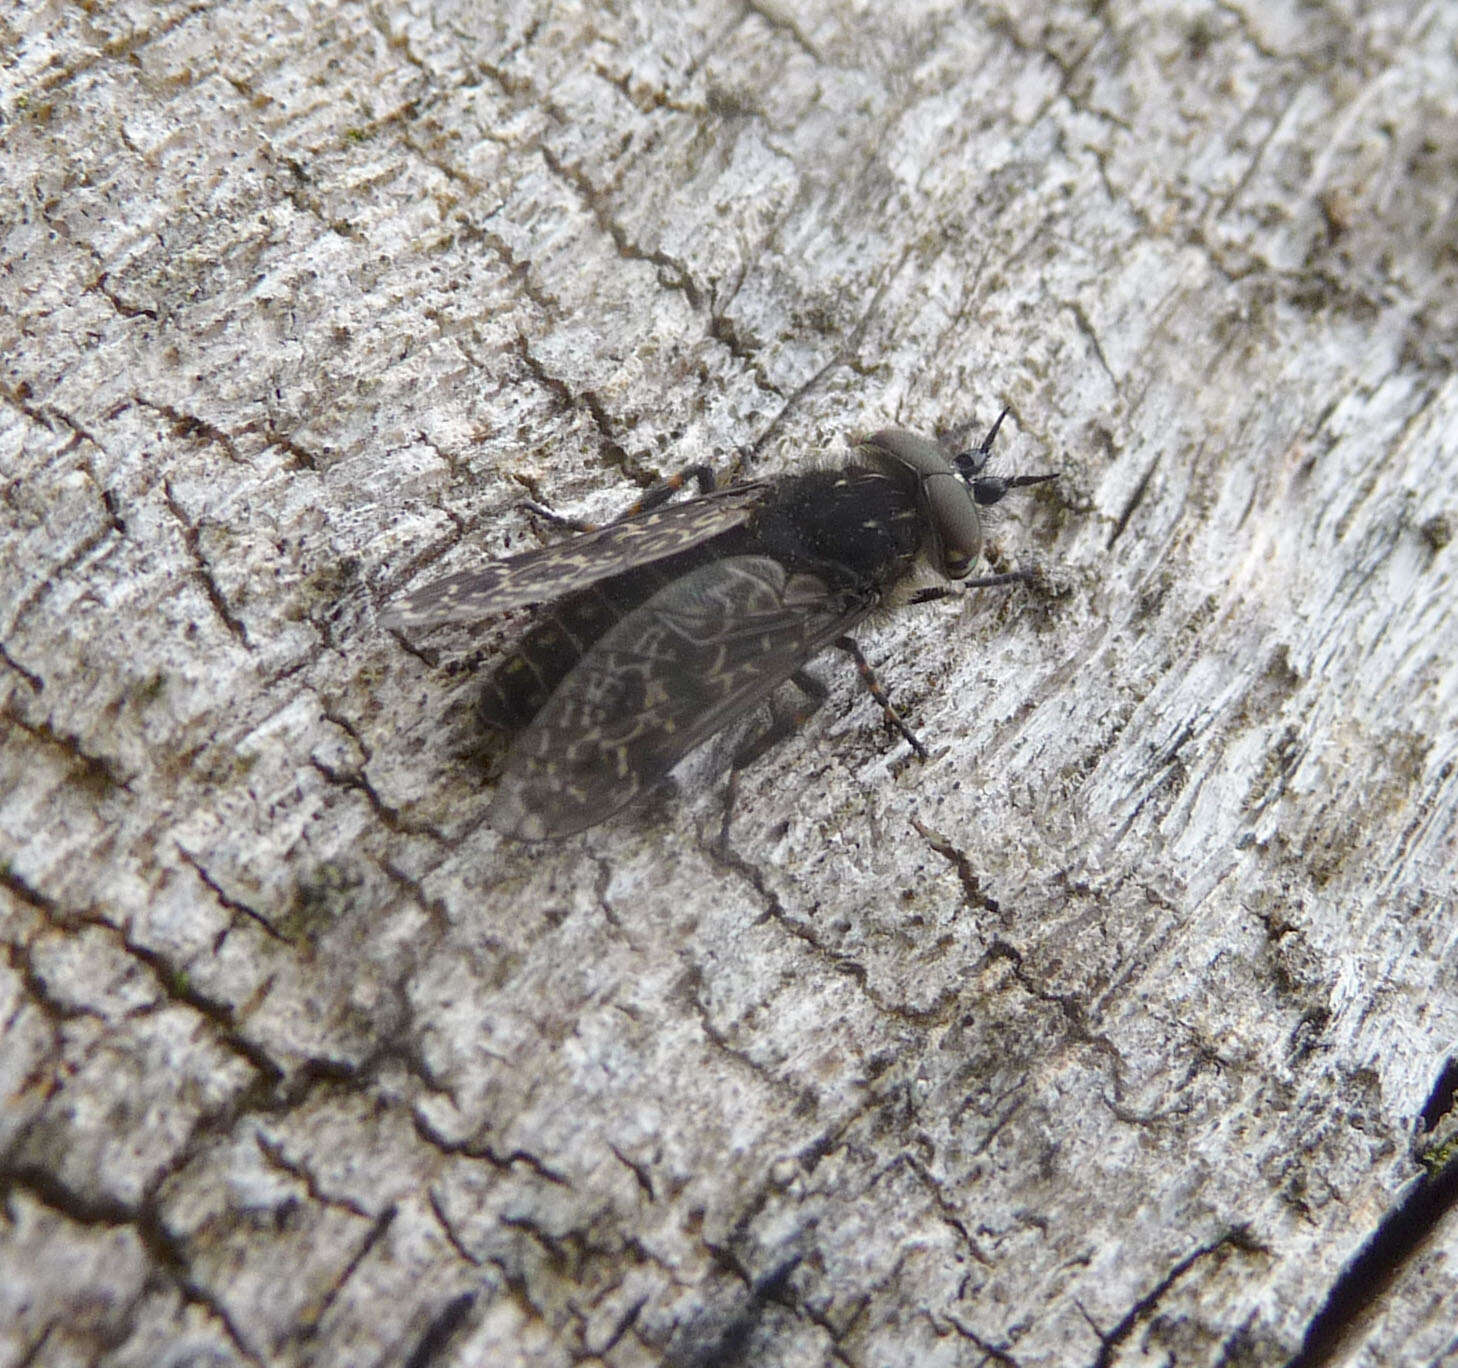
{"type": "Point", "coordinates": [945, 591]}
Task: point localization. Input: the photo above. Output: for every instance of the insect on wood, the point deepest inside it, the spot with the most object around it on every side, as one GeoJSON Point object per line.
{"type": "Point", "coordinates": [668, 624]}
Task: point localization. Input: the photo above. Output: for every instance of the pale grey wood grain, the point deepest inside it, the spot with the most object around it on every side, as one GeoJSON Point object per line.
{"type": "Point", "coordinates": [1099, 1039]}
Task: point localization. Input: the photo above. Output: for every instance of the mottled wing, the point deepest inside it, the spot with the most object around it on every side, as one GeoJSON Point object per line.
{"type": "Point", "coordinates": [551, 571]}
{"type": "Point", "coordinates": [695, 656]}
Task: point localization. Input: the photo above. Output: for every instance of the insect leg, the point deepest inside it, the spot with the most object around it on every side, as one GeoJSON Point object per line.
{"type": "Point", "coordinates": [868, 676]}
{"type": "Point", "coordinates": [653, 496]}
{"type": "Point", "coordinates": [757, 746]}
{"type": "Point", "coordinates": [942, 591]}
{"type": "Point", "coordinates": [786, 725]}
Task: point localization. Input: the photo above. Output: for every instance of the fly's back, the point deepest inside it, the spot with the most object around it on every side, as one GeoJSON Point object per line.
{"type": "Point", "coordinates": [666, 626]}
{"type": "Point", "coordinates": [857, 528]}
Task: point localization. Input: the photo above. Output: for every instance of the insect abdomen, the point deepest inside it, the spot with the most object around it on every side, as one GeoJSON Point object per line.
{"type": "Point", "coordinates": [561, 633]}
{"type": "Point", "coordinates": [854, 527]}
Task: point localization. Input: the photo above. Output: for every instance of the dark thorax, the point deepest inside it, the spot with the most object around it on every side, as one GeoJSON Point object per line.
{"type": "Point", "coordinates": [855, 528]}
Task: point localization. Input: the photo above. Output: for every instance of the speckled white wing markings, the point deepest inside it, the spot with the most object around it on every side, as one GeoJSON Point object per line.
{"type": "Point", "coordinates": [552, 571]}
{"type": "Point", "coordinates": [662, 628]}
{"type": "Point", "coordinates": [696, 656]}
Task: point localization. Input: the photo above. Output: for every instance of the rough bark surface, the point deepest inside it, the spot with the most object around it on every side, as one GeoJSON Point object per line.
{"type": "Point", "coordinates": [1106, 1037]}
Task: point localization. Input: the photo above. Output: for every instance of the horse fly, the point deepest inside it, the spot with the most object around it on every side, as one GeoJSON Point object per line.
{"type": "Point", "coordinates": [673, 621]}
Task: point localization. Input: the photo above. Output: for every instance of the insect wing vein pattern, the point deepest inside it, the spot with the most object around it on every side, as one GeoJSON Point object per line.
{"type": "Point", "coordinates": [551, 571]}
{"type": "Point", "coordinates": [700, 653]}
{"type": "Point", "coordinates": [672, 622]}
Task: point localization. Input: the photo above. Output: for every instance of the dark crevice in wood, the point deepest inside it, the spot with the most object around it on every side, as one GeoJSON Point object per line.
{"type": "Point", "coordinates": [203, 571]}
{"type": "Point", "coordinates": [734, 1340]}
{"type": "Point", "coordinates": [971, 882]}
{"type": "Point", "coordinates": [1135, 499]}
{"type": "Point", "coordinates": [432, 1344]}
{"type": "Point", "coordinates": [1144, 1308]}
{"type": "Point", "coordinates": [1392, 1246]}
{"type": "Point", "coordinates": [34, 680]}
{"type": "Point", "coordinates": [1443, 1097]}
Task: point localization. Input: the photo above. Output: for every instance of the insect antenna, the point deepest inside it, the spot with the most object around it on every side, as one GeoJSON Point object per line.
{"type": "Point", "coordinates": [970, 463]}
{"type": "Point", "coordinates": [989, 489]}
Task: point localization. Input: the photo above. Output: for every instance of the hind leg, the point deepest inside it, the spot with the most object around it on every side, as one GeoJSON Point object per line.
{"type": "Point", "coordinates": [653, 497]}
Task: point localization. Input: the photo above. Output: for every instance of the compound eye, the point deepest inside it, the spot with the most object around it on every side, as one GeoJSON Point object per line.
{"type": "Point", "coordinates": [953, 516]}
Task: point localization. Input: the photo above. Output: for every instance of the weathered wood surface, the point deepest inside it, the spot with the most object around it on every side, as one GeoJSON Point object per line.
{"type": "Point", "coordinates": [1101, 1039]}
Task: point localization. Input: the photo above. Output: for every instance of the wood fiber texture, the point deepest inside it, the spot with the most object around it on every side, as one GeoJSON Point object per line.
{"type": "Point", "coordinates": [1102, 1038]}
